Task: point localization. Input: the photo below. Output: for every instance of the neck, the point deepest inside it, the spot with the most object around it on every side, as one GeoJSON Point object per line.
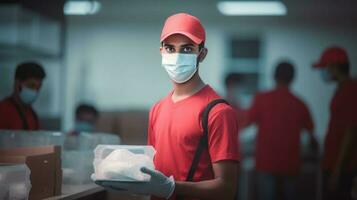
{"type": "Point", "coordinates": [282, 85]}
{"type": "Point", "coordinates": [341, 79]}
{"type": "Point", "coordinates": [187, 89]}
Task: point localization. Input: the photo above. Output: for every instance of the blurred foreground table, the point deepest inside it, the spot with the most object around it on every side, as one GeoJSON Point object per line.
{"type": "Point", "coordinates": [86, 191]}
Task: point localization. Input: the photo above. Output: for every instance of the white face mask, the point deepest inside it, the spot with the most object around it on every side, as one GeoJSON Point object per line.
{"type": "Point", "coordinates": [325, 75]}
{"type": "Point", "coordinates": [180, 67]}
{"type": "Point", "coordinates": [27, 95]}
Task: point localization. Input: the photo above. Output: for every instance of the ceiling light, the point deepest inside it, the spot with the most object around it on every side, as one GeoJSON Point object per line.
{"type": "Point", "coordinates": [252, 8]}
{"type": "Point", "coordinates": [81, 7]}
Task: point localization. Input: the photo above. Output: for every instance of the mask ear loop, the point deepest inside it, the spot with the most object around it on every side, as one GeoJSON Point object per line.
{"type": "Point", "coordinates": [198, 58]}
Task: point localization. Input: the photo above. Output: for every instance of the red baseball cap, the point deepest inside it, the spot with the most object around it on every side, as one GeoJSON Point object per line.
{"type": "Point", "coordinates": [185, 24]}
{"type": "Point", "coordinates": [332, 55]}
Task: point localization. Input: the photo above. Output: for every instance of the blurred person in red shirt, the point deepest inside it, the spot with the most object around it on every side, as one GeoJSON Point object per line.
{"type": "Point", "coordinates": [16, 111]}
{"type": "Point", "coordinates": [231, 83]}
{"type": "Point", "coordinates": [339, 162]}
{"type": "Point", "coordinates": [280, 116]}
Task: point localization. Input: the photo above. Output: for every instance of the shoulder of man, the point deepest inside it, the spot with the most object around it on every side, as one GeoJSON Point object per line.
{"type": "Point", "coordinates": [300, 100]}
{"type": "Point", "coordinates": [156, 107]}
{"type": "Point", "coordinates": [263, 95]}
{"type": "Point", "coordinates": [5, 104]}
{"type": "Point", "coordinates": [222, 109]}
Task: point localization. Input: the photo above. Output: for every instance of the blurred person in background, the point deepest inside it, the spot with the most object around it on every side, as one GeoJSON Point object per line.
{"type": "Point", "coordinates": [231, 82]}
{"type": "Point", "coordinates": [280, 117]}
{"type": "Point", "coordinates": [16, 111]}
{"type": "Point", "coordinates": [339, 162]}
{"type": "Point", "coordinates": [175, 128]}
{"type": "Point", "coordinates": [85, 120]}
{"type": "Point", "coordinates": [86, 117]}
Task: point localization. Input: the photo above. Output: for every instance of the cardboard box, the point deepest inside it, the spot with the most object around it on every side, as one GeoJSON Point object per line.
{"type": "Point", "coordinates": [45, 165]}
{"type": "Point", "coordinates": [131, 125]}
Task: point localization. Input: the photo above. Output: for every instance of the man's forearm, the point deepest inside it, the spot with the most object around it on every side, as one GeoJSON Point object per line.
{"type": "Point", "coordinates": [346, 152]}
{"type": "Point", "coordinates": [210, 189]}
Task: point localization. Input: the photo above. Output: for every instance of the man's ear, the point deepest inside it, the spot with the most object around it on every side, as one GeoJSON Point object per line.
{"type": "Point", "coordinates": [17, 85]}
{"type": "Point", "coordinates": [202, 55]}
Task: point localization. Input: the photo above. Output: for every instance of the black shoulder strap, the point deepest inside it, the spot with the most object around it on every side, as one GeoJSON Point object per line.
{"type": "Point", "coordinates": [25, 124]}
{"type": "Point", "coordinates": [203, 143]}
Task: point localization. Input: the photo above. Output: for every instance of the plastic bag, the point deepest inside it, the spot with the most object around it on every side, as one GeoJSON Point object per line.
{"type": "Point", "coordinates": [123, 163]}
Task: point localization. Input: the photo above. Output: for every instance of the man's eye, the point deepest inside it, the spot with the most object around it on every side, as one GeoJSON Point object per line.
{"type": "Point", "coordinates": [31, 86]}
{"type": "Point", "coordinates": [169, 49]}
{"type": "Point", "coordinates": [187, 50]}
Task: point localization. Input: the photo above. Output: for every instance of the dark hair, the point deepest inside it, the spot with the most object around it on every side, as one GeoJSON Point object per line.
{"type": "Point", "coordinates": [232, 78]}
{"type": "Point", "coordinates": [344, 68]}
{"type": "Point", "coordinates": [201, 46]}
{"type": "Point", "coordinates": [82, 108]}
{"type": "Point", "coordinates": [284, 72]}
{"type": "Point", "coordinates": [28, 70]}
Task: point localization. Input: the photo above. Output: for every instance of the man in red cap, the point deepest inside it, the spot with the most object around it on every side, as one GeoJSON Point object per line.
{"type": "Point", "coordinates": [176, 127]}
{"type": "Point", "coordinates": [339, 161]}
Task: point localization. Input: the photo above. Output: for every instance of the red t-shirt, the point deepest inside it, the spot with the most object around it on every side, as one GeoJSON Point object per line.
{"type": "Point", "coordinates": [175, 130]}
{"type": "Point", "coordinates": [10, 118]}
{"type": "Point", "coordinates": [280, 117]}
{"type": "Point", "coordinates": [343, 114]}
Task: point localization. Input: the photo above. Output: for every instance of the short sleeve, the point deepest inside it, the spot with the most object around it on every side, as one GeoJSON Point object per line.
{"type": "Point", "coordinates": [223, 134]}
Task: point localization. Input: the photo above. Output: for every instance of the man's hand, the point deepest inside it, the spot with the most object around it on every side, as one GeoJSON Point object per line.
{"type": "Point", "coordinates": [345, 154]}
{"type": "Point", "coordinates": [159, 185]}
{"type": "Point", "coordinates": [354, 189]}
{"type": "Point", "coordinates": [334, 180]}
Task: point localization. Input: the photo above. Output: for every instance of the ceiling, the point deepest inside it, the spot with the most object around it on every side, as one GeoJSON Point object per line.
{"type": "Point", "coordinates": [304, 11]}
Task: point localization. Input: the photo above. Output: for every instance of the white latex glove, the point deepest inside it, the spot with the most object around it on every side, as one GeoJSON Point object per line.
{"type": "Point", "coordinates": [159, 185]}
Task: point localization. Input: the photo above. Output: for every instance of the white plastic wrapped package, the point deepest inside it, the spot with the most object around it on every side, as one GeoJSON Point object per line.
{"type": "Point", "coordinates": [15, 182]}
{"type": "Point", "coordinates": [122, 162]}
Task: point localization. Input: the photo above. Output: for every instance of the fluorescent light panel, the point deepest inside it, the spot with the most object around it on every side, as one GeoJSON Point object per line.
{"type": "Point", "coordinates": [252, 8]}
{"type": "Point", "coordinates": [81, 7]}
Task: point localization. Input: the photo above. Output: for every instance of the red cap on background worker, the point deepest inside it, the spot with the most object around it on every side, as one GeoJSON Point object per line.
{"type": "Point", "coordinates": [331, 58]}
{"type": "Point", "coordinates": [339, 162]}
